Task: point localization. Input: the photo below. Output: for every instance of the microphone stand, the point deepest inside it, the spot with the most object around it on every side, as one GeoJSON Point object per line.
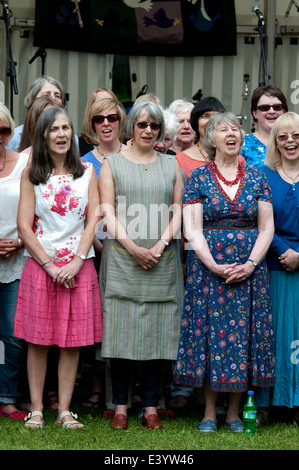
{"type": "Point", "coordinates": [11, 72]}
{"type": "Point", "coordinates": [42, 54]}
{"type": "Point", "coordinates": [260, 29]}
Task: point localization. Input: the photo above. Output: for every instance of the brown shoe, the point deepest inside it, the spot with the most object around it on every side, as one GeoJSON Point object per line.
{"type": "Point", "coordinates": [119, 421]}
{"type": "Point", "coordinates": [151, 422]}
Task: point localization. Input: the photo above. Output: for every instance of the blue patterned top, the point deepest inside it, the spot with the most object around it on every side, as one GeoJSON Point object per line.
{"type": "Point", "coordinates": [90, 158]}
{"type": "Point", "coordinates": [253, 151]}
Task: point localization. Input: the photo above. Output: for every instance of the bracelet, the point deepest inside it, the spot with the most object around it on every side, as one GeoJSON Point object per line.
{"type": "Point", "coordinates": [20, 242]}
{"type": "Point", "coordinates": [253, 262]}
{"type": "Point", "coordinates": [164, 241]}
{"type": "Point", "coordinates": [46, 262]}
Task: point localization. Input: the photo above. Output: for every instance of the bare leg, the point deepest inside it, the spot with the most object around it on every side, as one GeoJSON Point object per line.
{"type": "Point", "coordinates": [121, 409]}
{"type": "Point", "coordinates": [234, 406]}
{"type": "Point", "coordinates": [211, 399]}
{"type": "Point", "coordinates": [67, 371]}
{"type": "Point", "coordinates": [37, 368]}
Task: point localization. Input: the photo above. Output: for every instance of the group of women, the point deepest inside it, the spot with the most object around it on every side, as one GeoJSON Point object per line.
{"type": "Point", "coordinates": [221, 334]}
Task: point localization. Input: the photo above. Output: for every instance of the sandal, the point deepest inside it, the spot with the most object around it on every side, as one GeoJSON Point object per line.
{"type": "Point", "coordinates": [68, 424]}
{"type": "Point", "coordinates": [209, 425]}
{"type": "Point", "coordinates": [234, 426]}
{"type": "Point", "coordinates": [34, 424]}
{"type": "Point", "coordinates": [94, 403]}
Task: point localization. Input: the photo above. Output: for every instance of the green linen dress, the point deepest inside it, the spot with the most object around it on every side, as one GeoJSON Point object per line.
{"type": "Point", "coordinates": [142, 309]}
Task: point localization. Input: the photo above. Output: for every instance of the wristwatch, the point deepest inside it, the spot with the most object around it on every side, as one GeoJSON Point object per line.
{"type": "Point", "coordinates": [81, 256]}
{"type": "Point", "coordinates": [253, 262]}
{"type": "Point", "coordinates": [164, 241]}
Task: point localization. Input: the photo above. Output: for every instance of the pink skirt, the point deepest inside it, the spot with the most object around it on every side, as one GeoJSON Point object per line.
{"type": "Point", "coordinates": [50, 314]}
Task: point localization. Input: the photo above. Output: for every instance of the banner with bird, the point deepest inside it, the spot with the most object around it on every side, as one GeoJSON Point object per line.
{"type": "Point", "coordinates": [138, 27]}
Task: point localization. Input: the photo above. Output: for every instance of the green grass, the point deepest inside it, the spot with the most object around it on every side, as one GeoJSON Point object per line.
{"type": "Point", "coordinates": [179, 434]}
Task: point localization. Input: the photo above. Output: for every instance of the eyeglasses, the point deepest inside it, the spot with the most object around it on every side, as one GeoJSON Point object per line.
{"type": "Point", "coordinates": [153, 125]}
{"type": "Point", "coordinates": [110, 118]}
{"type": "Point", "coordinates": [285, 137]}
{"type": "Point", "coordinates": [266, 107]}
{"type": "Point", "coordinates": [5, 131]}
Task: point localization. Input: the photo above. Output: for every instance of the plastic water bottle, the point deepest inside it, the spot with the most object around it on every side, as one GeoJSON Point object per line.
{"type": "Point", "coordinates": [249, 415]}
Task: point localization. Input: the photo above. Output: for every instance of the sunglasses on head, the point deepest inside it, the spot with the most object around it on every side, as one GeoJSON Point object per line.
{"type": "Point", "coordinates": [5, 131]}
{"type": "Point", "coordinates": [110, 118]}
{"type": "Point", "coordinates": [266, 107]}
{"type": "Point", "coordinates": [284, 137]}
{"type": "Point", "coordinates": [153, 125]}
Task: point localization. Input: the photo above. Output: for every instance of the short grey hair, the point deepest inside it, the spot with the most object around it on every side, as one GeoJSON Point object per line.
{"type": "Point", "coordinates": [171, 122]}
{"type": "Point", "coordinates": [38, 85]}
{"type": "Point", "coordinates": [155, 113]}
{"type": "Point", "coordinates": [214, 122]}
{"type": "Point", "coordinates": [181, 106]}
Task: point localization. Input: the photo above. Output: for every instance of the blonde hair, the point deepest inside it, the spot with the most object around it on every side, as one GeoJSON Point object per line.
{"type": "Point", "coordinates": [285, 121]}
{"type": "Point", "coordinates": [85, 134]}
{"type": "Point", "coordinates": [6, 118]}
{"type": "Point", "coordinates": [99, 107]}
{"type": "Point", "coordinates": [148, 97]}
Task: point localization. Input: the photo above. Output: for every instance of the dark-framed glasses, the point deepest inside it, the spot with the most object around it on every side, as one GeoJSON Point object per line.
{"type": "Point", "coordinates": [110, 118]}
{"type": "Point", "coordinates": [266, 107]}
{"type": "Point", "coordinates": [153, 125]}
{"type": "Point", "coordinates": [5, 131]}
{"type": "Point", "coordinates": [285, 137]}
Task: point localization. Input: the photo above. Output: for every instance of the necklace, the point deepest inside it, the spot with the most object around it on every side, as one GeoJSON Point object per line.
{"type": "Point", "coordinates": [105, 154]}
{"type": "Point", "coordinates": [4, 161]}
{"type": "Point", "coordinates": [201, 152]}
{"type": "Point", "coordinates": [224, 180]}
{"type": "Point", "coordinates": [142, 163]}
{"type": "Point", "coordinates": [290, 177]}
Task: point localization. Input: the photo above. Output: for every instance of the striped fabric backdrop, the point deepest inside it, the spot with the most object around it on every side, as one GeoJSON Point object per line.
{"type": "Point", "coordinates": [169, 78]}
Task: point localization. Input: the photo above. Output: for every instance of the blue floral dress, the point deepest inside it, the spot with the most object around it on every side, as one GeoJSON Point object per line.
{"type": "Point", "coordinates": [226, 330]}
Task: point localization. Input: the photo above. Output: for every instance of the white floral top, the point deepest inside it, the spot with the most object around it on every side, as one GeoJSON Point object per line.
{"type": "Point", "coordinates": [60, 212]}
{"type": "Point", "coordinates": [11, 268]}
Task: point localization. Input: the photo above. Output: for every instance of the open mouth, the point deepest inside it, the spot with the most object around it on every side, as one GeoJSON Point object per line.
{"type": "Point", "coordinates": [291, 148]}
{"type": "Point", "coordinates": [231, 143]}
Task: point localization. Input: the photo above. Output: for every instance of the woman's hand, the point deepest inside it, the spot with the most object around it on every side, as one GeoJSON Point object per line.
{"type": "Point", "coordinates": [289, 260]}
{"type": "Point", "coordinates": [146, 258]}
{"type": "Point", "coordinates": [234, 272]}
{"type": "Point", "coordinates": [65, 275]}
{"type": "Point", "coordinates": [8, 246]}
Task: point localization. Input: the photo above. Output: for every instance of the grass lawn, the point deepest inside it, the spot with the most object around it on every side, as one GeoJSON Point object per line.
{"type": "Point", "coordinates": [179, 434]}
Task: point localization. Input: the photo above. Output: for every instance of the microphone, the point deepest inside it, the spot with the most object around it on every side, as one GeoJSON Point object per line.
{"type": "Point", "coordinates": [289, 8]}
{"type": "Point", "coordinates": [256, 9]}
{"type": "Point", "coordinates": [5, 6]}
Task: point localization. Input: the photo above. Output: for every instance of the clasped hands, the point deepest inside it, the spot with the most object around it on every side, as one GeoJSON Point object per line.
{"type": "Point", "coordinates": [234, 272]}
{"type": "Point", "coordinates": [8, 246]}
{"type": "Point", "coordinates": [147, 258]}
{"type": "Point", "coordinates": [289, 260]}
{"type": "Point", "coordinates": [65, 275]}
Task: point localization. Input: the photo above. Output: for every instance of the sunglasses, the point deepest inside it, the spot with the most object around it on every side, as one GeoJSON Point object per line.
{"type": "Point", "coordinates": [5, 131]}
{"type": "Point", "coordinates": [285, 137]}
{"type": "Point", "coordinates": [153, 125]}
{"type": "Point", "coordinates": [266, 107]}
{"type": "Point", "coordinates": [110, 118]}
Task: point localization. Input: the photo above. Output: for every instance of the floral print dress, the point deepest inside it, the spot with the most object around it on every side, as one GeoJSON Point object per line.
{"type": "Point", "coordinates": [226, 330]}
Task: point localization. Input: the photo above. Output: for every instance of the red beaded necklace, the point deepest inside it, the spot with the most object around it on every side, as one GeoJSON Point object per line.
{"type": "Point", "coordinates": [224, 180]}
